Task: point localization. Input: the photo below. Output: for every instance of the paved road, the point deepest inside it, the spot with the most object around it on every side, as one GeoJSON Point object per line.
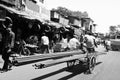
{"type": "Point", "coordinates": [107, 68]}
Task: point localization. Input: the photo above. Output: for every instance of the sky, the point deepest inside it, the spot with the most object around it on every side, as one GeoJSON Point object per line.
{"type": "Point", "coordinates": [103, 12]}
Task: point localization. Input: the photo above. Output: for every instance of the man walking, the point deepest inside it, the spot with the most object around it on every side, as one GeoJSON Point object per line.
{"type": "Point", "coordinates": [45, 43]}
{"type": "Point", "coordinates": [8, 43]}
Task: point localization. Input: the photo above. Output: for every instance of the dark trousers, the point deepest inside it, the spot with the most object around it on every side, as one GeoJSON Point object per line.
{"type": "Point", "coordinates": [90, 50]}
{"type": "Point", "coordinates": [5, 57]}
{"type": "Point", "coordinates": [45, 48]}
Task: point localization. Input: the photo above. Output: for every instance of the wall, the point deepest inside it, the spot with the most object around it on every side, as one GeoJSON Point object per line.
{"type": "Point", "coordinates": [58, 18]}
{"type": "Point", "coordinates": [77, 22]}
{"type": "Point", "coordinates": [54, 14]}
{"type": "Point", "coordinates": [86, 23]}
{"type": "Point", "coordinates": [63, 20]}
{"type": "Point", "coordinates": [37, 9]}
{"type": "Point", "coordinates": [32, 6]}
{"type": "Point", "coordinates": [73, 20]}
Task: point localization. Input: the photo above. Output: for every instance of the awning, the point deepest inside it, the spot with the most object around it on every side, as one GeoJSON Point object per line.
{"type": "Point", "coordinates": [22, 13]}
{"type": "Point", "coordinates": [32, 17]}
{"type": "Point", "coordinates": [12, 10]}
{"type": "Point", "coordinates": [57, 25]}
{"type": "Point", "coordinates": [52, 23]}
{"type": "Point", "coordinates": [76, 26]}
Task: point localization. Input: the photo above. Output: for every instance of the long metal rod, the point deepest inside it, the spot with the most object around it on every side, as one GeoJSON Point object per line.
{"type": "Point", "coordinates": [47, 56]}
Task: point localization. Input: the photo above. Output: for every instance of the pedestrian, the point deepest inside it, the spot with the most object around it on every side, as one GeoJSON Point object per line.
{"type": "Point", "coordinates": [8, 43]}
{"type": "Point", "coordinates": [1, 43]}
{"type": "Point", "coordinates": [45, 43]}
{"type": "Point", "coordinates": [107, 45]}
{"type": "Point", "coordinates": [104, 43]}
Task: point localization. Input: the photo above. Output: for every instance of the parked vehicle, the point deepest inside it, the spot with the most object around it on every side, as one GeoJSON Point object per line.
{"type": "Point", "coordinates": [115, 43]}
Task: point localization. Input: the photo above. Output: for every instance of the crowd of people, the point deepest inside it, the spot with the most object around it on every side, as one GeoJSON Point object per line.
{"type": "Point", "coordinates": [68, 42]}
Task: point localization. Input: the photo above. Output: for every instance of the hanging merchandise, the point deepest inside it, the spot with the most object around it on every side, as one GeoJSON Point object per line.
{"type": "Point", "coordinates": [39, 27]}
{"type": "Point", "coordinates": [30, 24]}
{"type": "Point", "coordinates": [2, 14]}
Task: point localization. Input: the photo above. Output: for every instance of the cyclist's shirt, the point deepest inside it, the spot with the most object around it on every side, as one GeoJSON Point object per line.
{"type": "Point", "coordinates": [89, 40]}
{"type": "Point", "coordinates": [73, 43]}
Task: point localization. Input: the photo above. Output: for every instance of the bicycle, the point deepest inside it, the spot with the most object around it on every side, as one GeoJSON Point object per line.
{"type": "Point", "coordinates": [22, 48]}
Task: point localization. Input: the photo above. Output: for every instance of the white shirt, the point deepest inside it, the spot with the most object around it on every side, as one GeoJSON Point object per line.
{"type": "Point", "coordinates": [90, 41]}
{"type": "Point", "coordinates": [45, 40]}
{"type": "Point", "coordinates": [64, 43]}
{"type": "Point", "coordinates": [73, 43]}
{"type": "Point", "coordinates": [108, 43]}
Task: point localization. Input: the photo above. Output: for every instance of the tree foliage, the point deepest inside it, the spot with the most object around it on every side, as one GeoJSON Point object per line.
{"type": "Point", "coordinates": [66, 12]}
{"type": "Point", "coordinates": [113, 29]}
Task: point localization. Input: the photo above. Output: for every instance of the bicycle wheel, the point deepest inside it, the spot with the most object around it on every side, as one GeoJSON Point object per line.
{"type": "Point", "coordinates": [27, 51]}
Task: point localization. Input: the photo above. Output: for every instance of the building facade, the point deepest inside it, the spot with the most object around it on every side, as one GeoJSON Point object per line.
{"type": "Point", "coordinates": [75, 21]}
{"type": "Point", "coordinates": [34, 8]}
{"type": "Point", "coordinates": [37, 8]}
{"type": "Point", "coordinates": [56, 17]}
{"type": "Point", "coordinates": [88, 24]}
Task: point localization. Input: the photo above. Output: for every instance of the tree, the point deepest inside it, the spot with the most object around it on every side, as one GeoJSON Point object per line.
{"type": "Point", "coordinates": [113, 31]}
{"type": "Point", "coordinates": [118, 29]}
{"type": "Point", "coordinates": [66, 12]}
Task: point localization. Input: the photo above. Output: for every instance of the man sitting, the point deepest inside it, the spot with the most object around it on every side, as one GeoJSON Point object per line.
{"type": "Point", "coordinates": [73, 43]}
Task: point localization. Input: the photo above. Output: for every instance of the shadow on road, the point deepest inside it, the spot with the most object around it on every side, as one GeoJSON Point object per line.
{"type": "Point", "coordinates": [98, 63]}
{"type": "Point", "coordinates": [77, 69]}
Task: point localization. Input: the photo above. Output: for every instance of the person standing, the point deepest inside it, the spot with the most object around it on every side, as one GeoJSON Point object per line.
{"type": "Point", "coordinates": [1, 43]}
{"type": "Point", "coordinates": [8, 43]}
{"type": "Point", "coordinates": [45, 43]}
{"type": "Point", "coordinates": [107, 45]}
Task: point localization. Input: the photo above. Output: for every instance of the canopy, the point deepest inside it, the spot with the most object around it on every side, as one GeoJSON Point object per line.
{"type": "Point", "coordinates": [22, 13]}
{"type": "Point", "coordinates": [57, 25]}
{"type": "Point", "coordinates": [52, 23]}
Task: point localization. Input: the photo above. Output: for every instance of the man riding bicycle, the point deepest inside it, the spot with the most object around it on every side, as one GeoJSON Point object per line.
{"type": "Point", "coordinates": [90, 42]}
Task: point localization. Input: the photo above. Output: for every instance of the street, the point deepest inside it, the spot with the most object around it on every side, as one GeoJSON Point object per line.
{"type": "Point", "coordinates": [55, 40]}
{"type": "Point", "coordinates": [107, 68]}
